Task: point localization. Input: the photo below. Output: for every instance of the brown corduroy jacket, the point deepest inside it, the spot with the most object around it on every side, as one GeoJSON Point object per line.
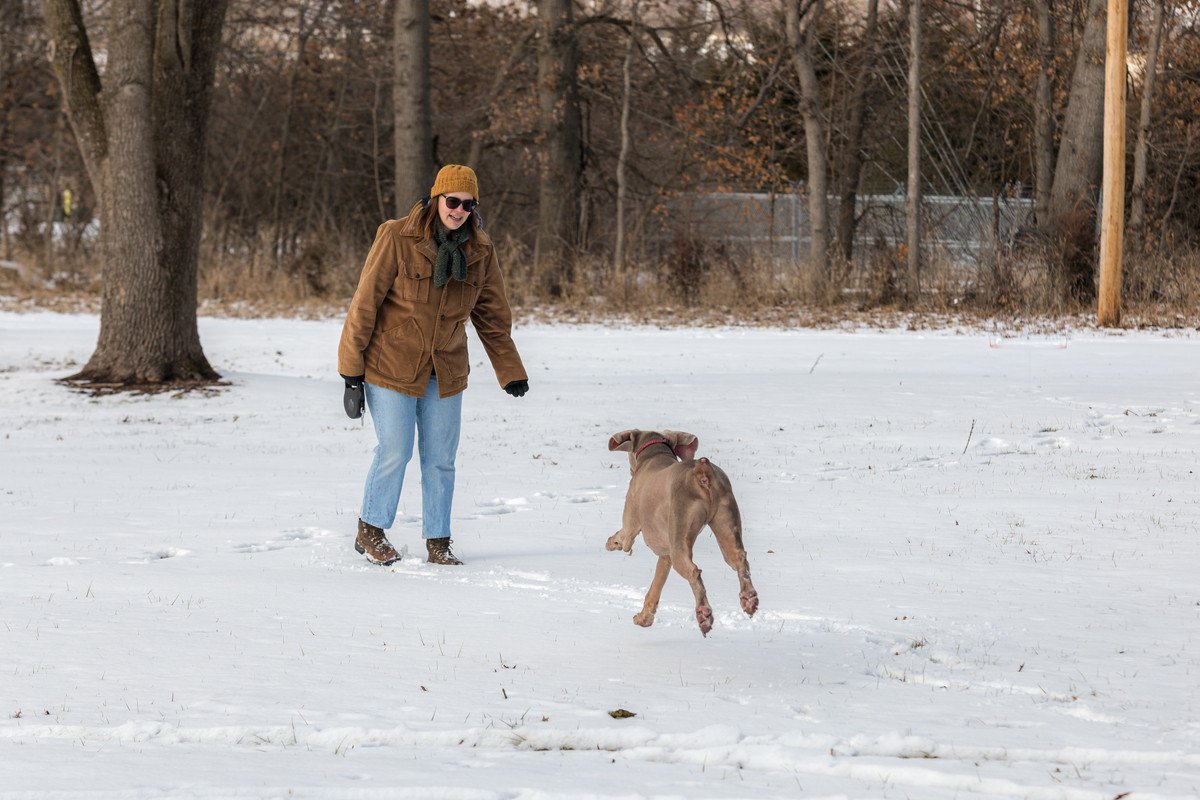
{"type": "Point", "coordinates": [399, 327]}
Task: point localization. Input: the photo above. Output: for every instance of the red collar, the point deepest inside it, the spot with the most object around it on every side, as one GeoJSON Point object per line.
{"type": "Point", "coordinates": [653, 442]}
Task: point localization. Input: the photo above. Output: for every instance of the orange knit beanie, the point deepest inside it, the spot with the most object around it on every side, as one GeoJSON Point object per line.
{"type": "Point", "coordinates": [455, 178]}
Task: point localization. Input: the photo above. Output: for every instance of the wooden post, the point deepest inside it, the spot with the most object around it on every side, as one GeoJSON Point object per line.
{"type": "Point", "coordinates": [1112, 217]}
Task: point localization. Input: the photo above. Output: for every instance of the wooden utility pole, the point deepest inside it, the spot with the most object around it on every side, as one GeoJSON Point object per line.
{"type": "Point", "coordinates": [1112, 218]}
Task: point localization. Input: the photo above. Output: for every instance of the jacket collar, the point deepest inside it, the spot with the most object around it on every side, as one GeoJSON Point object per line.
{"type": "Point", "coordinates": [473, 251]}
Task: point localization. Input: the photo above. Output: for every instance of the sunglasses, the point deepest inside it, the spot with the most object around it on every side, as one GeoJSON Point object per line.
{"type": "Point", "coordinates": [468, 205]}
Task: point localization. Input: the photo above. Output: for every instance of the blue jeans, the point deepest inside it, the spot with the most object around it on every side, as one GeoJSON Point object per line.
{"type": "Point", "coordinates": [399, 419]}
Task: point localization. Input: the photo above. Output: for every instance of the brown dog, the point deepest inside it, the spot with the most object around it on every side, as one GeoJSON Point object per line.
{"type": "Point", "coordinates": [669, 502]}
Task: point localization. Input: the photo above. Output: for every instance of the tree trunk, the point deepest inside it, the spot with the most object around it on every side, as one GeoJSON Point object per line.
{"type": "Point", "coordinates": [801, 43]}
{"type": "Point", "coordinates": [623, 155]}
{"type": "Point", "coordinates": [560, 132]}
{"type": "Point", "coordinates": [285, 137]}
{"type": "Point", "coordinates": [377, 181]}
{"type": "Point", "coordinates": [1183, 163]}
{"type": "Point", "coordinates": [913, 200]}
{"type": "Point", "coordinates": [1043, 135]}
{"type": "Point", "coordinates": [6, 246]}
{"type": "Point", "coordinates": [52, 196]}
{"type": "Point", "coordinates": [9, 11]}
{"type": "Point", "coordinates": [1137, 208]}
{"type": "Point", "coordinates": [142, 139]}
{"type": "Point", "coordinates": [1073, 196]}
{"type": "Point", "coordinates": [854, 156]}
{"type": "Point", "coordinates": [411, 104]}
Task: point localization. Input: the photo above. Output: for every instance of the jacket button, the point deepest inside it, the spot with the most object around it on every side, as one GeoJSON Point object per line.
{"type": "Point", "coordinates": [443, 316]}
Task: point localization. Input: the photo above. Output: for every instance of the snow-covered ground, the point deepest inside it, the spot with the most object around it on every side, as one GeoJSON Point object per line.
{"type": "Point", "coordinates": [978, 561]}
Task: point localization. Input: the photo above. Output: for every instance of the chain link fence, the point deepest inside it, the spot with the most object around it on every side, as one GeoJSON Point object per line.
{"type": "Point", "coordinates": [959, 232]}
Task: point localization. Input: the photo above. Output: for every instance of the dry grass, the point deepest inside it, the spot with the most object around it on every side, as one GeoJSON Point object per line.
{"type": "Point", "coordinates": [687, 286]}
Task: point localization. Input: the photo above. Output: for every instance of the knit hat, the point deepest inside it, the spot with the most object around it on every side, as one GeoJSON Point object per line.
{"type": "Point", "coordinates": [455, 178]}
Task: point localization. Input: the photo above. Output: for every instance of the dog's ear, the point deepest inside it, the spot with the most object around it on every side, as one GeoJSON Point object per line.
{"type": "Point", "coordinates": [684, 444]}
{"type": "Point", "coordinates": [621, 441]}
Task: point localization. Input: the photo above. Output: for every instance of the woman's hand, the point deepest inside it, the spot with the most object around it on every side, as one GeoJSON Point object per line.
{"type": "Point", "coordinates": [354, 399]}
{"type": "Point", "coordinates": [517, 388]}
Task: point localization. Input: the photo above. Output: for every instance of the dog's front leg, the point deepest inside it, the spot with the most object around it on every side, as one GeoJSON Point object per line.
{"type": "Point", "coordinates": [622, 540]}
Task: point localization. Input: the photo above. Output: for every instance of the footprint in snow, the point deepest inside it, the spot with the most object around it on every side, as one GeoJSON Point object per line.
{"type": "Point", "coordinates": [287, 539]}
{"type": "Point", "coordinates": [500, 505]}
{"type": "Point", "coordinates": [159, 554]}
{"type": "Point", "coordinates": [581, 496]}
{"type": "Point", "coordinates": [995, 446]}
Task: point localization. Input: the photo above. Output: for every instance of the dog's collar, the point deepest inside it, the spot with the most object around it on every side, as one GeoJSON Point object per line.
{"type": "Point", "coordinates": [653, 442]}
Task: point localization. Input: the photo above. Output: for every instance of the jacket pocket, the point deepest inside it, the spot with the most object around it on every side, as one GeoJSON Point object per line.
{"type": "Point", "coordinates": [470, 289]}
{"type": "Point", "coordinates": [415, 280]}
{"type": "Point", "coordinates": [400, 352]}
{"type": "Point", "coordinates": [452, 356]}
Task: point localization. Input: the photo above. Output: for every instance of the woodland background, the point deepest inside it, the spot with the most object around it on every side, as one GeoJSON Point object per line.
{"type": "Point", "coordinates": [660, 101]}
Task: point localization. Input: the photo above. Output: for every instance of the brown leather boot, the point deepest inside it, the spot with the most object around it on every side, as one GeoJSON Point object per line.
{"type": "Point", "coordinates": [440, 552]}
{"type": "Point", "coordinates": [373, 543]}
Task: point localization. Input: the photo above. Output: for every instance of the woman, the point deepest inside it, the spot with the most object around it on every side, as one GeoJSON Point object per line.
{"type": "Point", "coordinates": [404, 346]}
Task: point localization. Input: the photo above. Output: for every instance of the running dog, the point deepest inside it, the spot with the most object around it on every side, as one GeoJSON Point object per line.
{"type": "Point", "coordinates": [671, 498]}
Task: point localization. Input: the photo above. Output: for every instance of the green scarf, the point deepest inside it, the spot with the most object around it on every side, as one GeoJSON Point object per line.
{"type": "Point", "coordinates": [450, 259]}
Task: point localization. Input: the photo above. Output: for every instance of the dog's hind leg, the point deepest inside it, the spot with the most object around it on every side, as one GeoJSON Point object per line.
{"type": "Point", "coordinates": [661, 571]}
{"type": "Point", "coordinates": [681, 560]}
{"type": "Point", "coordinates": [726, 524]}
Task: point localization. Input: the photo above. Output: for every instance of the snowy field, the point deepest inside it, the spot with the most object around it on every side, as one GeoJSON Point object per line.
{"type": "Point", "coordinates": [978, 560]}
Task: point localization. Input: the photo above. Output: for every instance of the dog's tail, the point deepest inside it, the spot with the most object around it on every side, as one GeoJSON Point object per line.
{"type": "Point", "coordinates": [704, 475]}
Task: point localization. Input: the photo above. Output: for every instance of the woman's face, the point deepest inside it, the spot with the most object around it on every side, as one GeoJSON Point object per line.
{"type": "Point", "coordinates": [453, 218]}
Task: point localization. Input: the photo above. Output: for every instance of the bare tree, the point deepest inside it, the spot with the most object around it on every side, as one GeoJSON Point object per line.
{"type": "Point", "coordinates": [561, 157]}
{"type": "Point", "coordinates": [623, 155]}
{"type": "Point", "coordinates": [501, 76]}
{"type": "Point", "coordinates": [800, 36]}
{"type": "Point", "coordinates": [141, 130]}
{"type": "Point", "coordinates": [913, 204]}
{"type": "Point", "coordinates": [1043, 110]}
{"type": "Point", "coordinates": [854, 155]}
{"type": "Point", "coordinates": [410, 93]}
{"type": "Point", "coordinates": [1137, 208]}
{"type": "Point", "coordinates": [9, 11]}
{"type": "Point", "coordinates": [1073, 195]}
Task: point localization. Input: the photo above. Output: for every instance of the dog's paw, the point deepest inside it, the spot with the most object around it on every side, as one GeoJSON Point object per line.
{"type": "Point", "coordinates": [750, 602]}
{"type": "Point", "coordinates": [619, 541]}
{"type": "Point", "coordinates": [644, 618]}
{"type": "Point", "coordinates": [704, 617]}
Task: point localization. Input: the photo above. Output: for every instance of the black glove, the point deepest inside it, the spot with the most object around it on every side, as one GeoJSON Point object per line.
{"type": "Point", "coordinates": [354, 400]}
{"type": "Point", "coordinates": [517, 388]}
